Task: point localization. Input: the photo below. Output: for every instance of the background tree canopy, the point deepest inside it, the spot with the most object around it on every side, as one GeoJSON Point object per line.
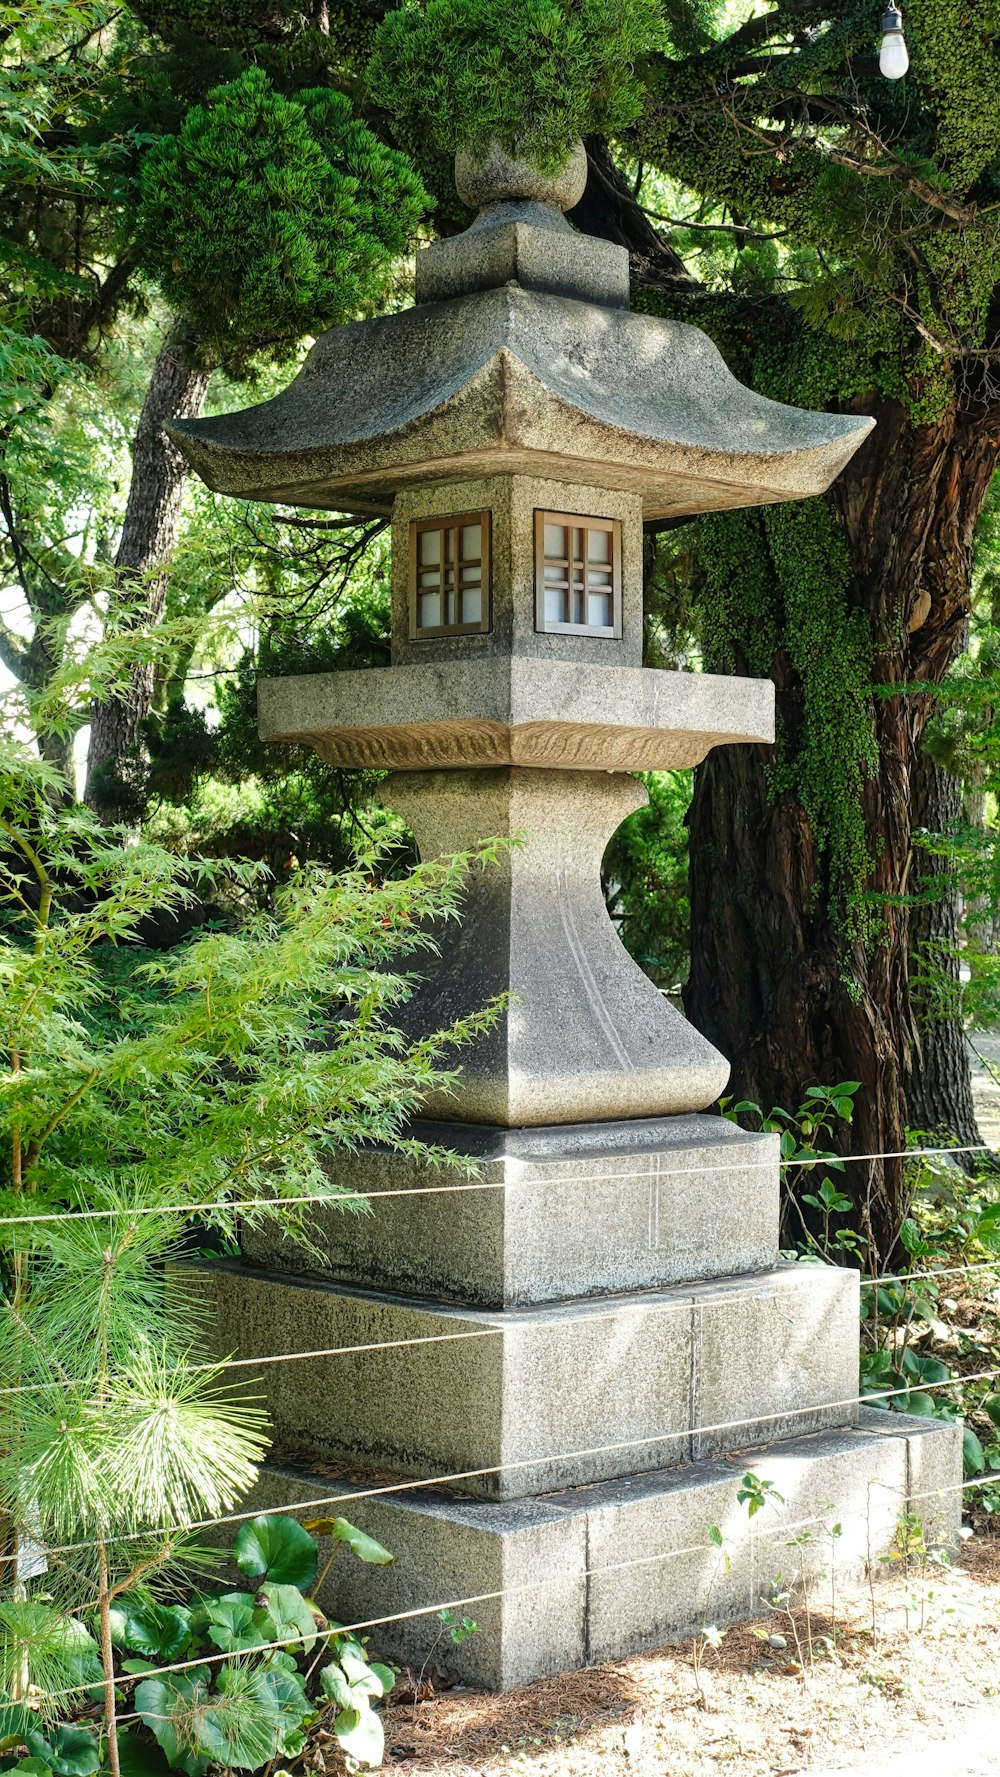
{"type": "Point", "coordinates": [267, 217]}
{"type": "Point", "coordinates": [191, 188]}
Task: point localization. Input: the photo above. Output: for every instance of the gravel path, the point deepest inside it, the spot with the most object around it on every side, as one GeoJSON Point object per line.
{"type": "Point", "coordinates": [975, 1752]}
{"type": "Point", "coordinates": [985, 1047]}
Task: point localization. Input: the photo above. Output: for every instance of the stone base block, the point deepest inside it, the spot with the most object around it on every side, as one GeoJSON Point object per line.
{"type": "Point", "coordinates": [518, 1401]}
{"type": "Point", "coordinates": [596, 1573]}
{"type": "Point", "coordinates": [555, 1212]}
{"type": "Point", "coordinates": [532, 253]}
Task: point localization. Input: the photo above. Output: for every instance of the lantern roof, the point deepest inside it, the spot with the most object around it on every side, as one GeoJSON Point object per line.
{"type": "Point", "coordinates": [520, 356]}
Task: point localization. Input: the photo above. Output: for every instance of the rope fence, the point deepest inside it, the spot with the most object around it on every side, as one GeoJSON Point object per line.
{"type": "Point", "coordinates": [355, 1494]}
{"type": "Point", "coordinates": [330, 1200]}
{"type": "Point", "coordinates": [545, 1171]}
{"type": "Point", "coordinates": [769, 1532]}
{"type": "Point", "coordinates": [613, 1305]}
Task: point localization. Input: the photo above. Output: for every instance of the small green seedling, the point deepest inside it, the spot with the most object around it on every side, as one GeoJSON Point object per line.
{"type": "Point", "coordinates": [755, 1493]}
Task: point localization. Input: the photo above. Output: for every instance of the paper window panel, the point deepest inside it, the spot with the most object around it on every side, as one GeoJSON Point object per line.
{"type": "Point", "coordinates": [450, 575]}
{"type": "Point", "coordinates": [577, 574]}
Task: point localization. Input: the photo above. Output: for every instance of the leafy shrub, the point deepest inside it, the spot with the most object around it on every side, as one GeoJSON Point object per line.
{"type": "Point", "coordinates": [915, 1350]}
{"type": "Point", "coordinates": [226, 1694]}
{"type": "Point", "coordinates": [266, 217]}
{"type": "Point", "coordinates": [645, 870]}
{"type": "Point", "coordinates": [134, 1089]}
{"type": "Point", "coordinates": [533, 75]}
{"type": "Point", "coordinates": [903, 1325]}
{"type": "Point", "coordinates": [805, 1135]}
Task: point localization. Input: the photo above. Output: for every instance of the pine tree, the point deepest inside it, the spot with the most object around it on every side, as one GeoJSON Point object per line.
{"type": "Point", "coordinates": [218, 1080]}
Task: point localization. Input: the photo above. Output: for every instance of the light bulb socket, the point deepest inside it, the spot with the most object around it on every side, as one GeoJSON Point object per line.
{"type": "Point", "coordinates": [892, 22]}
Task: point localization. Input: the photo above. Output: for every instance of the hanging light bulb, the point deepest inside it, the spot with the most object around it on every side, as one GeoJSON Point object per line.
{"type": "Point", "coordinates": [893, 58]}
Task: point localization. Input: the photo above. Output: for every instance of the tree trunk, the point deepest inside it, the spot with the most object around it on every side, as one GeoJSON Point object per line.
{"type": "Point", "coordinates": [938, 1084]}
{"type": "Point", "coordinates": [770, 983]}
{"type": "Point", "coordinates": [609, 210]}
{"type": "Point", "coordinates": [149, 533]}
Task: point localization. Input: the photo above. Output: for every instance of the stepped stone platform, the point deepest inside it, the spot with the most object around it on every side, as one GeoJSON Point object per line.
{"type": "Point", "coordinates": [553, 1212]}
{"type": "Point", "coordinates": [577, 1444]}
{"type": "Point", "coordinates": [588, 1574]}
{"type": "Point", "coordinates": [521, 1400]}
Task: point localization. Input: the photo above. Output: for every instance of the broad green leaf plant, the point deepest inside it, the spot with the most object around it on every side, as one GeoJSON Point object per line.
{"type": "Point", "coordinates": [250, 1701]}
{"type": "Point", "coordinates": [804, 1138]}
{"type": "Point", "coordinates": [234, 1679]}
{"type": "Point", "coordinates": [220, 1078]}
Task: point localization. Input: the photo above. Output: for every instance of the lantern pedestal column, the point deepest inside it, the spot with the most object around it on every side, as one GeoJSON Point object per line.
{"type": "Point", "coordinates": [584, 1035]}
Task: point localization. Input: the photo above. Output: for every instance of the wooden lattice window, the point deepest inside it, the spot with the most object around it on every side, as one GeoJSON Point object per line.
{"type": "Point", "coordinates": [578, 574]}
{"type": "Point", "coordinates": [450, 575]}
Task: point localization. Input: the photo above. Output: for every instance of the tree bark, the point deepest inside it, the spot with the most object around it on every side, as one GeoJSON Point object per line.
{"type": "Point", "coordinates": [149, 533]}
{"type": "Point", "coordinates": [608, 210]}
{"type": "Point", "coordinates": [770, 983]}
{"type": "Point", "coordinates": [938, 1082]}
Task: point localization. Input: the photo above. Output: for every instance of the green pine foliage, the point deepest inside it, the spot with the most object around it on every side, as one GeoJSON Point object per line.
{"type": "Point", "coordinates": [219, 1078]}
{"type": "Point", "coordinates": [266, 217]}
{"type": "Point", "coordinates": [889, 187]}
{"type": "Point", "coordinates": [284, 35]}
{"type": "Point", "coordinates": [878, 285]}
{"type": "Point", "coordinates": [320, 596]}
{"type": "Point", "coordinates": [533, 75]}
{"type": "Point", "coordinates": [225, 1070]}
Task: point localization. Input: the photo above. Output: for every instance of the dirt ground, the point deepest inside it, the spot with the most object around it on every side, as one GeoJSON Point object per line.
{"type": "Point", "coordinates": [757, 1712]}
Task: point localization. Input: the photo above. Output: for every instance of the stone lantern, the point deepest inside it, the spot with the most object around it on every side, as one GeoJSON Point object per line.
{"type": "Point", "coordinates": [571, 1345]}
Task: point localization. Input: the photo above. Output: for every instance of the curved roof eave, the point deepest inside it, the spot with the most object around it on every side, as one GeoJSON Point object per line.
{"type": "Point", "coordinates": [506, 380]}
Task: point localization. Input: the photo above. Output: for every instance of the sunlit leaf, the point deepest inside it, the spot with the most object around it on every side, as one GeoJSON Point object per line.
{"type": "Point", "coordinates": [275, 1546]}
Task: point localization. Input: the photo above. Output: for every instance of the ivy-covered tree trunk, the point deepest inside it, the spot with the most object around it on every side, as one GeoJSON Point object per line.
{"type": "Point", "coordinates": [152, 521]}
{"type": "Point", "coordinates": [785, 978]}
{"type": "Point", "coordinates": [938, 1084]}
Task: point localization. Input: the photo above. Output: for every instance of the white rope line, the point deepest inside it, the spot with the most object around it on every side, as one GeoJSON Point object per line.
{"type": "Point", "coordinates": [685, 1305]}
{"type": "Point", "coordinates": [288, 1357]}
{"type": "Point", "coordinates": [656, 1439]}
{"type": "Point", "coordinates": [505, 1322]}
{"type": "Point", "coordinates": [766, 1532]}
{"type": "Point", "coordinates": [924, 1276]}
{"type": "Point", "coordinates": [981, 1147]}
{"type": "Point", "coordinates": [610, 1305]}
{"type": "Point", "coordinates": [418, 1483]}
{"type": "Point", "coordinates": [236, 1206]}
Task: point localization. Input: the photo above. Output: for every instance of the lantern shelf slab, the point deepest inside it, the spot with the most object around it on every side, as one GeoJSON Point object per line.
{"type": "Point", "coordinates": [515, 711]}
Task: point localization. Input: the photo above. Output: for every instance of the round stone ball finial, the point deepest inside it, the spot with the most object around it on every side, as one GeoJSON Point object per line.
{"type": "Point", "coordinates": [501, 178]}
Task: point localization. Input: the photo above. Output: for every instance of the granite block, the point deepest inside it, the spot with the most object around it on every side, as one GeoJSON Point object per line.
{"type": "Point", "coordinates": [517, 1401]}
{"type": "Point", "coordinates": [585, 1035]}
{"type": "Point", "coordinates": [555, 1211]}
{"type": "Point", "coordinates": [597, 1573]}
